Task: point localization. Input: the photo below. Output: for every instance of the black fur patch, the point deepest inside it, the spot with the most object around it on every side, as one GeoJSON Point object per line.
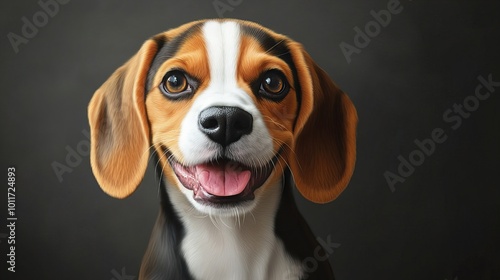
{"type": "Point", "coordinates": [167, 48]}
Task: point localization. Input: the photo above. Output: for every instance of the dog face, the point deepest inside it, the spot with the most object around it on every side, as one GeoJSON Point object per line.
{"type": "Point", "coordinates": [227, 105]}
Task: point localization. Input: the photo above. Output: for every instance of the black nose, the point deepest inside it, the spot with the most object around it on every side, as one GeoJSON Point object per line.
{"type": "Point", "coordinates": [225, 125]}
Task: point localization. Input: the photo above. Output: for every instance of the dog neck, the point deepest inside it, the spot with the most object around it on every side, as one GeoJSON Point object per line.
{"type": "Point", "coordinates": [269, 242]}
{"type": "Point", "coordinates": [243, 246]}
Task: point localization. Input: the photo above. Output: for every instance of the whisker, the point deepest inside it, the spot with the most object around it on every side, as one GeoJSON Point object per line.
{"type": "Point", "coordinates": [161, 173]}
{"type": "Point", "coordinates": [222, 221]}
{"type": "Point", "coordinates": [236, 210]}
{"type": "Point", "coordinates": [253, 216]}
{"type": "Point", "coordinates": [282, 54]}
{"type": "Point", "coordinates": [275, 45]}
{"type": "Point", "coordinates": [244, 215]}
{"type": "Point", "coordinates": [213, 219]}
{"type": "Point", "coordinates": [276, 123]}
{"type": "Point", "coordinates": [197, 214]}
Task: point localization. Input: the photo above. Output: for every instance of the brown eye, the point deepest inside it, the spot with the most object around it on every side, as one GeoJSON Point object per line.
{"type": "Point", "coordinates": [178, 85]}
{"type": "Point", "coordinates": [175, 83]}
{"type": "Point", "coordinates": [273, 85]}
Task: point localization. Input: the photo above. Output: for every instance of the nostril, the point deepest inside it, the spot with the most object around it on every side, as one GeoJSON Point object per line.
{"type": "Point", "coordinates": [238, 125]}
{"type": "Point", "coordinates": [210, 123]}
{"type": "Point", "coordinates": [242, 124]}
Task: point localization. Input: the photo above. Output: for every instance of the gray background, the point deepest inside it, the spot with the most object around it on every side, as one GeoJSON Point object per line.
{"type": "Point", "coordinates": [441, 223]}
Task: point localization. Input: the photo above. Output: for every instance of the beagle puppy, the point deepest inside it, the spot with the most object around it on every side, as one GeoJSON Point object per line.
{"type": "Point", "coordinates": [236, 115]}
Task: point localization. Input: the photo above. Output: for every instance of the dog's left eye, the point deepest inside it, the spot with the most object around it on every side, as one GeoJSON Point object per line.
{"type": "Point", "coordinates": [176, 84]}
{"type": "Point", "coordinates": [273, 85]}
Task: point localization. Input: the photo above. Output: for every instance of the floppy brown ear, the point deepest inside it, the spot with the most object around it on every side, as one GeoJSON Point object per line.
{"type": "Point", "coordinates": [119, 126]}
{"type": "Point", "coordinates": [324, 150]}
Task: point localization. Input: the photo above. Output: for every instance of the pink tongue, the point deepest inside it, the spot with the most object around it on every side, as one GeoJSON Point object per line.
{"type": "Point", "coordinates": [222, 180]}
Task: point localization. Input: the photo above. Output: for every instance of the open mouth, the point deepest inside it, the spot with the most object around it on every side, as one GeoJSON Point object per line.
{"type": "Point", "coordinates": [222, 181]}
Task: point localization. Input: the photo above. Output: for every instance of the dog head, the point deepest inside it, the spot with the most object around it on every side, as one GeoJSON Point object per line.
{"type": "Point", "coordinates": [227, 105]}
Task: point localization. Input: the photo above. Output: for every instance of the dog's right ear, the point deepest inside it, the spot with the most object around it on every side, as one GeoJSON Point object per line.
{"type": "Point", "coordinates": [119, 126]}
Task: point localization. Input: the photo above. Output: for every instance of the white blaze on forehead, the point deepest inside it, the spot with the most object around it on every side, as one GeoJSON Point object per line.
{"type": "Point", "coordinates": [222, 41]}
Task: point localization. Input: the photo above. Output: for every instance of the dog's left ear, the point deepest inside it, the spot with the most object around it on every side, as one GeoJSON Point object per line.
{"type": "Point", "coordinates": [119, 126]}
{"type": "Point", "coordinates": [324, 150]}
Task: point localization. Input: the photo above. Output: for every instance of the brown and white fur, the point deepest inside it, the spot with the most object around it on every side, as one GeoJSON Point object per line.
{"type": "Point", "coordinates": [236, 115]}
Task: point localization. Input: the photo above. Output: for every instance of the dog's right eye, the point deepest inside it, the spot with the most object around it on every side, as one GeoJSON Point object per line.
{"type": "Point", "coordinates": [176, 84]}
